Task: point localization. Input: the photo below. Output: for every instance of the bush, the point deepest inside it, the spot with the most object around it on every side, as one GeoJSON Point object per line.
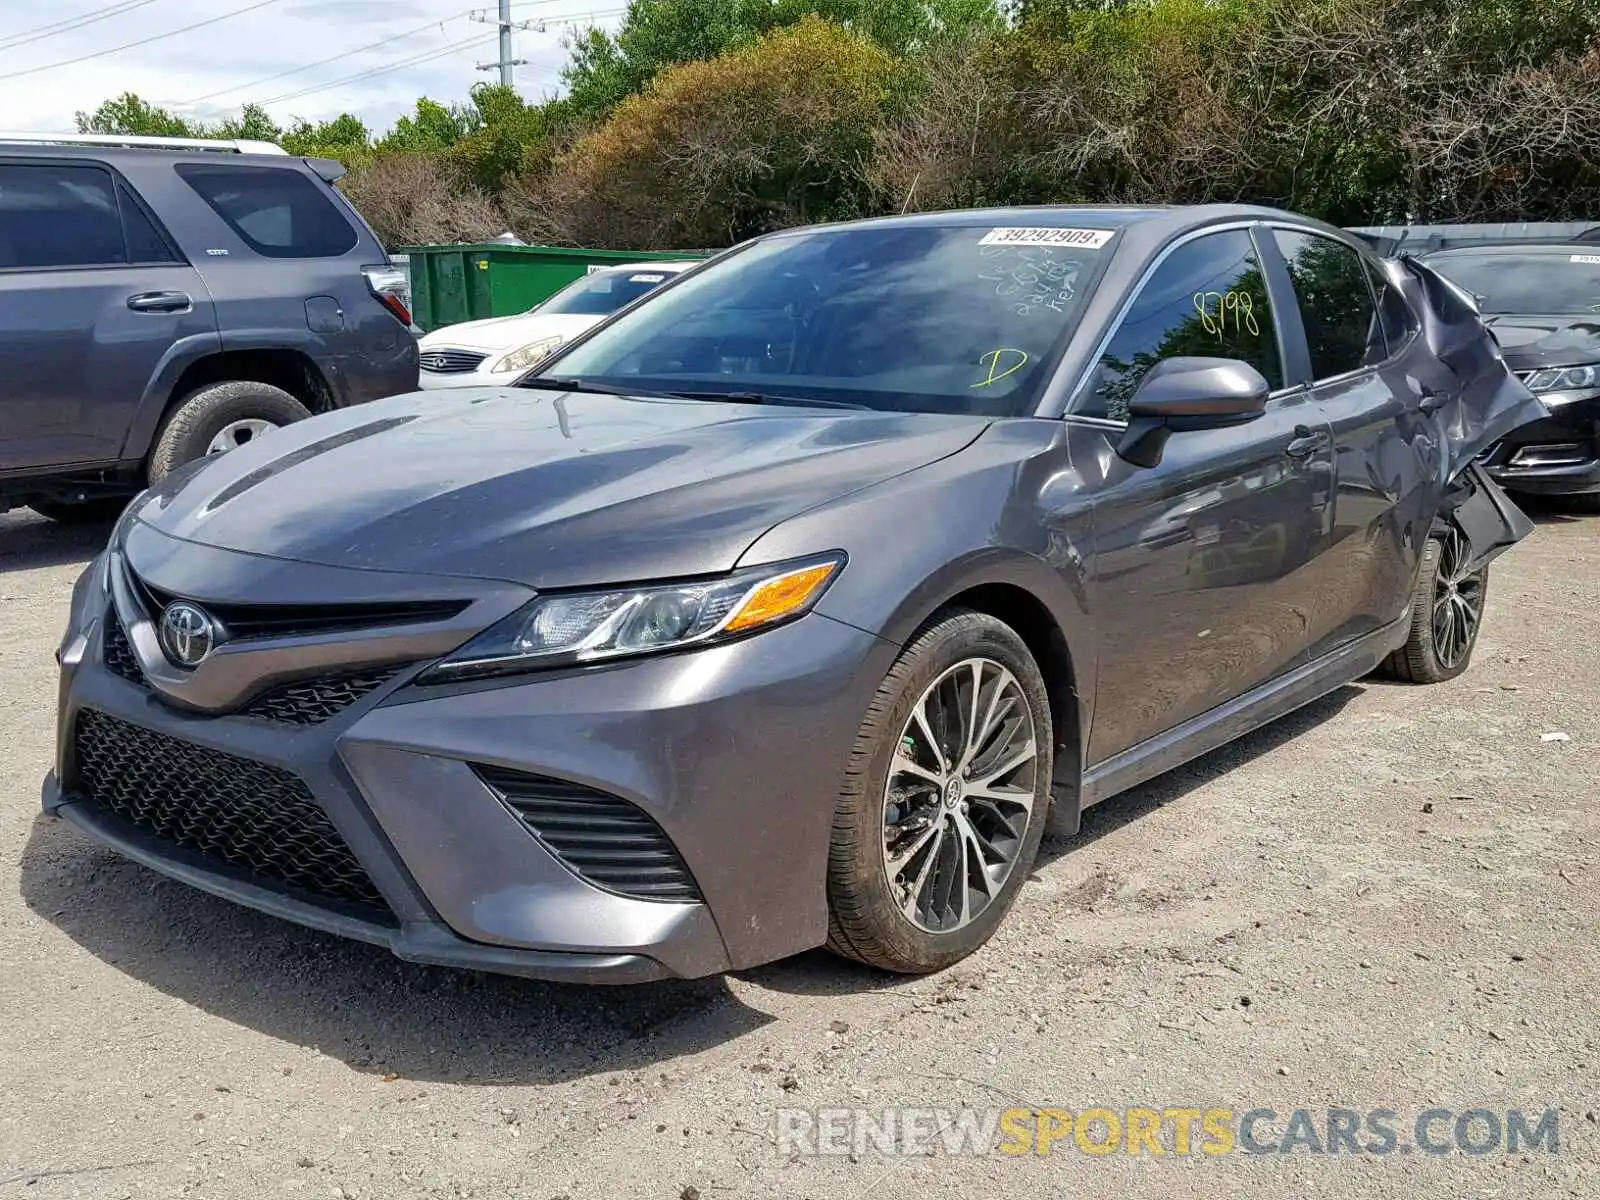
{"type": "Point", "coordinates": [713, 152]}
{"type": "Point", "coordinates": [410, 199]}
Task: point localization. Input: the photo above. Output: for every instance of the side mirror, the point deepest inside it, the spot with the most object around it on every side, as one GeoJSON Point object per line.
{"type": "Point", "coordinates": [1179, 395]}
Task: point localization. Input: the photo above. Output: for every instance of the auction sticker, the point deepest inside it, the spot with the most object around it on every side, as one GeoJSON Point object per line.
{"type": "Point", "coordinates": [1586, 258]}
{"type": "Point", "coordinates": [1087, 239]}
{"type": "Point", "coordinates": [645, 278]}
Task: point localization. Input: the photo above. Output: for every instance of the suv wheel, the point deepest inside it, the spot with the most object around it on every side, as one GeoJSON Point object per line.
{"type": "Point", "coordinates": [1446, 613]}
{"type": "Point", "coordinates": [220, 417]}
{"type": "Point", "coordinates": [944, 800]}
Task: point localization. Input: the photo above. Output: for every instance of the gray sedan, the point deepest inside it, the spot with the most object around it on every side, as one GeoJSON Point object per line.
{"type": "Point", "coordinates": [788, 606]}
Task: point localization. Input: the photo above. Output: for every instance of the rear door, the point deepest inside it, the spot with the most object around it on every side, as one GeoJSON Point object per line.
{"type": "Point", "coordinates": [1198, 582]}
{"type": "Point", "coordinates": [93, 296]}
{"type": "Point", "coordinates": [1360, 342]}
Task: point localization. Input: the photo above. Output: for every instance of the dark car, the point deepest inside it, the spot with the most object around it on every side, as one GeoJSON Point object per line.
{"type": "Point", "coordinates": [782, 608]}
{"type": "Point", "coordinates": [163, 299]}
{"type": "Point", "coordinates": [1543, 305]}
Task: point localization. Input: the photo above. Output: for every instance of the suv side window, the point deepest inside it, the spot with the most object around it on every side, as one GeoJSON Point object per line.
{"type": "Point", "coordinates": [59, 216]}
{"type": "Point", "coordinates": [1394, 314]}
{"type": "Point", "coordinates": [1209, 298]}
{"type": "Point", "coordinates": [1343, 332]}
{"type": "Point", "coordinates": [145, 242]}
{"type": "Point", "coordinates": [277, 211]}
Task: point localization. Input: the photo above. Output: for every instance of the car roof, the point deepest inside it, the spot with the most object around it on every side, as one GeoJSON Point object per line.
{"type": "Point", "coordinates": [675, 264]}
{"type": "Point", "coordinates": [1531, 249]}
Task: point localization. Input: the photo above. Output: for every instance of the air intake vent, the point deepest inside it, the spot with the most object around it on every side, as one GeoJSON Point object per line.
{"type": "Point", "coordinates": [312, 701]}
{"type": "Point", "coordinates": [247, 818]}
{"type": "Point", "coordinates": [603, 838]}
{"type": "Point", "coordinates": [117, 652]}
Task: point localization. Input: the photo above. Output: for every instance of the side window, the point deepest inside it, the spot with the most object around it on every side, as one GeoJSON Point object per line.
{"type": "Point", "coordinates": [279, 212]}
{"type": "Point", "coordinates": [1330, 282]}
{"type": "Point", "coordinates": [1394, 314]}
{"type": "Point", "coordinates": [58, 216]}
{"type": "Point", "coordinates": [145, 243]}
{"type": "Point", "coordinates": [1207, 298]}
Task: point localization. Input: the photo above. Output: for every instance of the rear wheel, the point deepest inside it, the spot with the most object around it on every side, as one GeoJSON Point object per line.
{"type": "Point", "coordinates": [945, 798]}
{"type": "Point", "coordinates": [219, 418]}
{"type": "Point", "coordinates": [1446, 612]}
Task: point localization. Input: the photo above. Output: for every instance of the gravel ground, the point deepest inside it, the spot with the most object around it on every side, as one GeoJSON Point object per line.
{"type": "Point", "coordinates": [1384, 901]}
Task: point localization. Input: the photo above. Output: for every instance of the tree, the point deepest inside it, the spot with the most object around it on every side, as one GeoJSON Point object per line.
{"type": "Point", "coordinates": [129, 114]}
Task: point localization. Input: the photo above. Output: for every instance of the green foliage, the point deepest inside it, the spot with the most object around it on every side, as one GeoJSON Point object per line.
{"type": "Point", "coordinates": [128, 114]}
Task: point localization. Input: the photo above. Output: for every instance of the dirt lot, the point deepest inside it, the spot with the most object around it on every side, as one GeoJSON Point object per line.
{"type": "Point", "coordinates": [1385, 901]}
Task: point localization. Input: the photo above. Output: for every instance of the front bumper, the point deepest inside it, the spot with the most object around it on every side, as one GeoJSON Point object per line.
{"type": "Point", "coordinates": [1557, 456]}
{"type": "Point", "coordinates": [439, 381]}
{"type": "Point", "coordinates": [735, 752]}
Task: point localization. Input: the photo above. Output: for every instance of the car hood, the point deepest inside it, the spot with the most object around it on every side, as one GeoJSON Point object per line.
{"type": "Point", "coordinates": [507, 333]}
{"type": "Point", "coordinates": [1561, 340]}
{"type": "Point", "coordinates": [548, 489]}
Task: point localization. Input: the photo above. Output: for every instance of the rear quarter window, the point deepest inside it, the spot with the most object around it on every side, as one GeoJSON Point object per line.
{"type": "Point", "coordinates": [278, 212]}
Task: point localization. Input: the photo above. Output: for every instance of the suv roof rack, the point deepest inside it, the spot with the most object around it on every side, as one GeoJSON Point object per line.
{"type": "Point", "coordinates": [227, 146]}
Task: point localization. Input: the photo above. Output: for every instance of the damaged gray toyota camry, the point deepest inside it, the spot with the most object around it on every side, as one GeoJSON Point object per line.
{"type": "Point", "coordinates": [786, 607]}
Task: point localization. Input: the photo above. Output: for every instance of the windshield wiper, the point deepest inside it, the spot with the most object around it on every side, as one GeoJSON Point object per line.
{"type": "Point", "coordinates": [772, 398]}
{"type": "Point", "coordinates": [582, 385]}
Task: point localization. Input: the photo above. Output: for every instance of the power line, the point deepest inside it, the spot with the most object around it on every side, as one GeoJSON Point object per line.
{"type": "Point", "coordinates": [414, 60]}
{"type": "Point", "coordinates": [40, 32]}
{"type": "Point", "coordinates": [322, 62]}
{"type": "Point", "coordinates": [68, 62]}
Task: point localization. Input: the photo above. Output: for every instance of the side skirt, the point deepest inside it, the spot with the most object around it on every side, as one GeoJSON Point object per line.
{"type": "Point", "coordinates": [1257, 707]}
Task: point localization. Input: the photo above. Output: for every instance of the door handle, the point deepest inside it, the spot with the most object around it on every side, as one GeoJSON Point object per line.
{"type": "Point", "coordinates": [1305, 442]}
{"type": "Point", "coordinates": [161, 302]}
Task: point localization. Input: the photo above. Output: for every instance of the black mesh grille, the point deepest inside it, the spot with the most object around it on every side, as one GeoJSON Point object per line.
{"type": "Point", "coordinates": [312, 701]}
{"type": "Point", "coordinates": [118, 653]}
{"type": "Point", "coordinates": [253, 819]}
{"type": "Point", "coordinates": [602, 837]}
{"type": "Point", "coordinates": [450, 362]}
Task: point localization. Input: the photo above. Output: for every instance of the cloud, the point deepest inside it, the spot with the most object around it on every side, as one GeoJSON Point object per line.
{"type": "Point", "coordinates": [239, 57]}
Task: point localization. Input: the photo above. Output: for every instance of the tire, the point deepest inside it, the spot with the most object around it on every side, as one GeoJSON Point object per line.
{"type": "Point", "coordinates": [82, 512]}
{"type": "Point", "coordinates": [867, 920]}
{"type": "Point", "coordinates": [1432, 653]}
{"type": "Point", "coordinates": [202, 416]}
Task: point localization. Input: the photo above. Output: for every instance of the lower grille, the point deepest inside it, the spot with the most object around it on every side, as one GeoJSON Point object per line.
{"type": "Point", "coordinates": [312, 701]}
{"type": "Point", "coordinates": [117, 652]}
{"type": "Point", "coordinates": [450, 362]}
{"type": "Point", "coordinates": [603, 838]}
{"type": "Point", "coordinates": [253, 819]}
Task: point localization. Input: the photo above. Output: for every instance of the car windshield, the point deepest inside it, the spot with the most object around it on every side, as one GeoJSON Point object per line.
{"type": "Point", "coordinates": [604, 291]}
{"type": "Point", "coordinates": [913, 317]}
{"type": "Point", "coordinates": [1512, 282]}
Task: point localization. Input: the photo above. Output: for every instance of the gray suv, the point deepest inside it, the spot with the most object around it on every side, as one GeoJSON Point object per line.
{"type": "Point", "coordinates": [164, 299]}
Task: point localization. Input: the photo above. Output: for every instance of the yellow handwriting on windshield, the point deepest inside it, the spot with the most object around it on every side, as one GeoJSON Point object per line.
{"type": "Point", "coordinates": [1011, 360]}
{"type": "Point", "coordinates": [1220, 309]}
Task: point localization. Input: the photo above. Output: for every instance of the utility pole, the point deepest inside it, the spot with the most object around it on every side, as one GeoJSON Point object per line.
{"type": "Point", "coordinates": [506, 24]}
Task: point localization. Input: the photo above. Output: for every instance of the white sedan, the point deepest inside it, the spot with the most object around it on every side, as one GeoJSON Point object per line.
{"type": "Point", "coordinates": [496, 351]}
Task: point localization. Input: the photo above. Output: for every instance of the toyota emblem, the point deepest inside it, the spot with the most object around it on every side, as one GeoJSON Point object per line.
{"type": "Point", "coordinates": [186, 633]}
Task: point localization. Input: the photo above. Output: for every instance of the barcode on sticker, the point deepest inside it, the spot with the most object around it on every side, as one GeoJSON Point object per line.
{"type": "Point", "coordinates": [1586, 258]}
{"type": "Point", "coordinates": [1086, 239]}
{"type": "Point", "coordinates": [645, 278]}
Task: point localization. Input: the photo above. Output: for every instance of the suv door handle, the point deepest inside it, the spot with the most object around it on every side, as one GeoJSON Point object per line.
{"type": "Point", "coordinates": [161, 302]}
{"type": "Point", "coordinates": [1305, 442]}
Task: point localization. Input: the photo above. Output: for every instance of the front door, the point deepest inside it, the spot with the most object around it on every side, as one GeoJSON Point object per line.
{"type": "Point", "coordinates": [1198, 578]}
{"type": "Point", "coordinates": [92, 298]}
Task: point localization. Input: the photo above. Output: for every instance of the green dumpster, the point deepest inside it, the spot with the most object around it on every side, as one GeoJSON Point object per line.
{"type": "Point", "coordinates": [451, 284]}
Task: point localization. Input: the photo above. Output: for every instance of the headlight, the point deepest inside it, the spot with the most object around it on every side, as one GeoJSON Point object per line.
{"type": "Point", "coordinates": [581, 627]}
{"type": "Point", "coordinates": [524, 357]}
{"type": "Point", "coordinates": [1564, 379]}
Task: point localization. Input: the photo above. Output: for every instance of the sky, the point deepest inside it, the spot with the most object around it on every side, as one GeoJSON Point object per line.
{"type": "Point", "coordinates": [270, 54]}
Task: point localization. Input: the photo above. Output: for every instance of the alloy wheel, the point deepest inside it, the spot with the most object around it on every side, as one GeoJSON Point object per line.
{"type": "Point", "coordinates": [236, 433]}
{"type": "Point", "coordinates": [959, 795]}
{"type": "Point", "coordinates": [1457, 602]}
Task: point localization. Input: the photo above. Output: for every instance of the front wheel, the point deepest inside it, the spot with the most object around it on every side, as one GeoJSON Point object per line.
{"type": "Point", "coordinates": [1446, 613]}
{"type": "Point", "coordinates": [945, 798]}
